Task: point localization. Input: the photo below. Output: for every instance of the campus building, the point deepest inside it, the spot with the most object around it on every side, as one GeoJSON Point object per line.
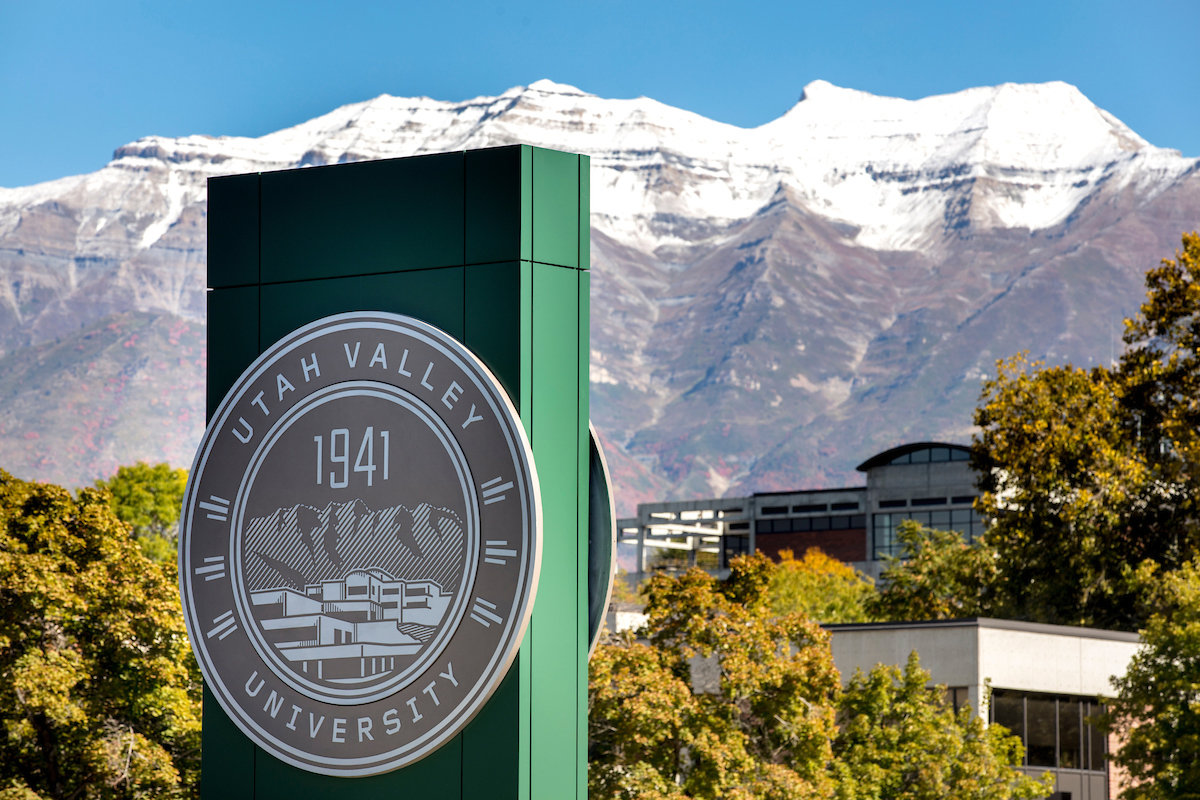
{"type": "Point", "coordinates": [354, 628]}
{"type": "Point", "coordinates": [1045, 682]}
{"type": "Point", "coordinates": [930, 482]}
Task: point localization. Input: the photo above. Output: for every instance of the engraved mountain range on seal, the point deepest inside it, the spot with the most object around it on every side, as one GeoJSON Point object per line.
{"type": "Point", "coordinates": [348, 595]}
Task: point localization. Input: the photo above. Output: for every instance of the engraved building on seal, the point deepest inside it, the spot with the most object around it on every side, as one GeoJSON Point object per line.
{"type": "Point", "coordinates": [352, 629]}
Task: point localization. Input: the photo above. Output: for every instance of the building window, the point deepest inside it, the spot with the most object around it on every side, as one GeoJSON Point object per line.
{"type": "Point", "coordinates": [732, 547]}
{"type": "Point", "coordinates": [956, 697]}
{"type": "Point", "coordinates": [775, 510]}
{"type": "Point", "coordinates": [934, 455]}
{"type": "Point", "coordinates": [1053, 728]}
{"type": "Point", "coordinates": [964, 520]}
{"type": "Point", "coordinates": [810, 508]}
{"type": "Point", "coordinates": [806, 524]}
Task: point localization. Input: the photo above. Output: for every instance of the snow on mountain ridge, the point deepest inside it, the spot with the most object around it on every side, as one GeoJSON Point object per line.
{"type": "Point", "coordinates": [1030, 152]}
{"type": "Point", "coordinates": [1014, 155]}
{"type": "Point", "coordinates": [899, 174]}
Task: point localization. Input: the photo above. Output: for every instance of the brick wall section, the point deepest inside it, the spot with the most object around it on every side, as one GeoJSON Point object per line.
{"type": "Point", "coordinates": [1118, 778]}
{"type": "Point", "coordinates": [847, 545]}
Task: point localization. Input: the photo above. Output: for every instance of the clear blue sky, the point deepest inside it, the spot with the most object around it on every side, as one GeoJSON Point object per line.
{"type": "Point", "coordinates": [78, 79]}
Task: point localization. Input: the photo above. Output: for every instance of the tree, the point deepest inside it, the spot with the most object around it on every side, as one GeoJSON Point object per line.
{"type": "Point", "coordinates": [774, 722]}
{"type": "Point", "coordinates": [622, 592]}
{"type": "Point", "coordinates": [937, 576]}
{"type": "Point", "coordinates": [901, 739]}
{"type": "Point", "coordinates": [99, 693]}
{"type": "Point", "coordinates": [1157, 710]}
{"type": "Point", "coordinates": [819, 587]}
{"type": "Point", "coordinates": [149, 498]}
{"type": "Point", "coordinates": [1089, 474]}
{"type": "Point", "coordinates": [763, 731]}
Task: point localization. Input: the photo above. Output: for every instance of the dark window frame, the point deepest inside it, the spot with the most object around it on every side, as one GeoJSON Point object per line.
{"type": "Point", "coordinates": [1088, 735]}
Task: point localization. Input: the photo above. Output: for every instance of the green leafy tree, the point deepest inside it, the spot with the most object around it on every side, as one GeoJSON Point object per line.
{"type": "Point", "coordinates": [763, 731]}
{"type": "Point", "coordinates": [99, 693]}
{"type": "Point", "coordinates": [148, 498]}
{"type": "Point", "coordinates": [622, 592]}
{"type": "Point", "coordinates": [819, 587]}
{"type": "Point", "coordinates": [775, 724]}
{"type": "Point", "coordinates": [1157, 708]}
{"type": "Point", "coordinates": [901, 739]}
{"type": "Point", "coordinates": [1092, 476]}
{"type": "Point", "coordinates": [938, 575]}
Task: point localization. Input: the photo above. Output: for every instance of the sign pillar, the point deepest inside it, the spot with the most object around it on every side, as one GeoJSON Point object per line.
{"type": "Point", "coordinates": [491, 247]}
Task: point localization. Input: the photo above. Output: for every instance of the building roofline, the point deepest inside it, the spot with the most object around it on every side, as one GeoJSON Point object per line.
{"type": "Point", "coordinates": [884, 458]}
{"type": "Point", "coordinates": [990, 622]}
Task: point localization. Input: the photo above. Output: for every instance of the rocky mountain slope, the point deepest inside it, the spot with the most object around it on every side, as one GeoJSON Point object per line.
{"type": "Point", "coordinates": [770, 305]}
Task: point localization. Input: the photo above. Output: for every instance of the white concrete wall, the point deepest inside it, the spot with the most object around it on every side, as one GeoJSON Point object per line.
{"type": "Point", "coordinates": [1041, 662]}
{"type": "Point", "coordinates": [969, 655]}
{"type": "Point", "coordinates": [949, 653]}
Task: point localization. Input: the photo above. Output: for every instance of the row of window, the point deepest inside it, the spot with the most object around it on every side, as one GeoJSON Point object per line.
{"type": "Point", "coordinates": [883, 529]}
{"type": "Point", "coordinates": [929, 501]}
{"type": "Point", "coordinates": [804, 524]}
{"type": "Point", "coordinates": [932, 455]}
{"type": "Point", "coordinates": [1054, 730]}
{"type": "Point", "coordinates": [816, 508]}
{"type": "Point", "coordinates": [809, 508]}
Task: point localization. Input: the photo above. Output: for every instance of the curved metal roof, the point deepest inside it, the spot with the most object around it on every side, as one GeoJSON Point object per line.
{"type": "Point", "coordinates": [886, 457]}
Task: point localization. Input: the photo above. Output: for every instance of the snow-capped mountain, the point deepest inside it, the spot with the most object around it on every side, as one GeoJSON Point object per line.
{"type": "Point", "coordinates": [771, 305]}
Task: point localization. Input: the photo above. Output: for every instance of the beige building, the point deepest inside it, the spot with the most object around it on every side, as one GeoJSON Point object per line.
{"type": "Point", "coordinates": [1045, 680]}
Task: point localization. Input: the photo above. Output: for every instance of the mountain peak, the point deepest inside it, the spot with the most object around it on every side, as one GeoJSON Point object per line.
{"type": "Point", "coordinates": [547, 86]}
{"type": "Point", "coordinates": [823, 91]}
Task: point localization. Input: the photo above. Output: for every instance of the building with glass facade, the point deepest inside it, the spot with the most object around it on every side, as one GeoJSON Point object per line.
{"type": "Point", "coordinates": [930, 482]}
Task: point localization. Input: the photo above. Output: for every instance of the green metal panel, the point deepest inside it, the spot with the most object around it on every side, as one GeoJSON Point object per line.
{"type": "Point", "coordinates": [527, 350]}
{"type": "Point", "coordinates": [434, 295]}
{"type": "Point", "coordinates": [585, 214]}
{"type": "Point", "coordinates": [555, 208]}
{"type": "Point", "coordinates": [557, 637]}
{"type": "Point", "coordinates": [496, 743]}
{"type": "Point", "coordinates": [492, 747]}
{"type": "Point", "coordinates": [232, 339]}
{"type": "Point", "coordinates": [226, 757]}
{"type": "Point", "coordinates": [370, 217]}
{"type": "Point", "coordinates": [494, 311]}
{"type": "Point", "coordinates": [583, 489]}
{"type": "Point", "coordinates": [436, 777]}
{"type": "Point", "coordinates": [496, 223]}
{"type": "Point", "coordinates": [233, 230]}
{"type": "Point", "coordinates": [527, 203]}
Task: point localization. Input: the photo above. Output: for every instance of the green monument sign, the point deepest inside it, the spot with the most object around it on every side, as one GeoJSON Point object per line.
{"type": "Point", "coordinates": [384, 550]}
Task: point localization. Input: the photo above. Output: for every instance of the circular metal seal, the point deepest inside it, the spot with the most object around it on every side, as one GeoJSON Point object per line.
{"type": "Point", "coordinates": [360, 543]}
